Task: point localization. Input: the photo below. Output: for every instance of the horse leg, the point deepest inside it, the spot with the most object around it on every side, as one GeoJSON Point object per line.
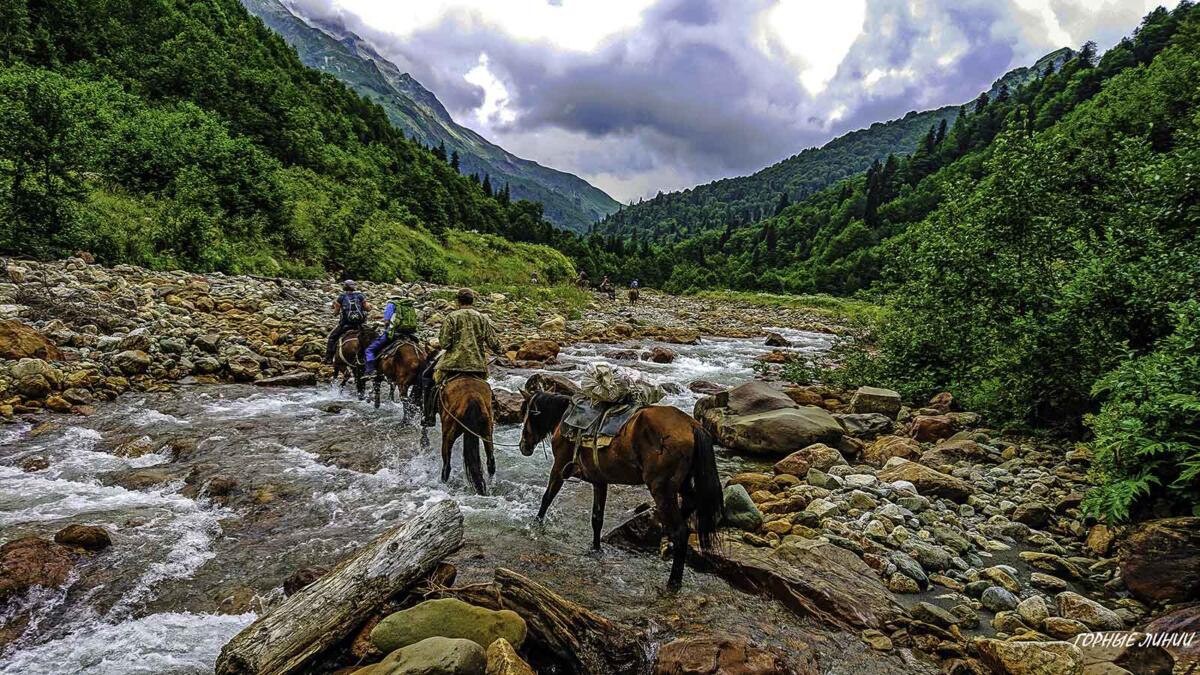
{"type": "Point", "coordinates": [375, 386]}
{"type": "Point", "coordinates": [675, 527]}
{"type": "Point", "coordinates": [449, 435]}
{"type": "Point", "coordinates": [490, 449]}
{"type": "Point", "coordinates": [552, 488]}
{"type": "Point", "coordinates": [599, 496]}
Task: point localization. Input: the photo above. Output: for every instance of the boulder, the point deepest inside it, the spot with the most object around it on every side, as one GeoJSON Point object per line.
{"type": "Point", "coordinates": [432, 656]}
{"type": "Point", "coordinates": [1030, 658]}
{"type": "Point", "coordinates": [728, 655]}
{"type": "Point", "coordinates": [450, 618]}
{"type": "Point", "coordinates": [760, 420]}
{"type": "Point", "coordinates": [19, 341]}
{"type": "Point", "coordinates": [817, 456]}
{"type": "Point", "coordinates": [1183, 620]}
{"type": "Point", "coordinates": [740, 511]}
{"type": "Point", "coordinates": [87, 537]}
{"type": "Point", "coordinates": [777, 340]}
{"type": "Point", "coordinates": [875, 400]}
{"type": "Point", "coordinates": [929, 428]}
{"type": "Point", "coordinates": [659, 355]}
{"type": "Point", "coordinates": [132, 361]}
{"type": "Point", "coordinates": [865, 425]}
{"type": "Point", "coordinates": [1033, 610]}
{"type": "Point", "coordinates": [1160, 560]}
{"type": "Point", "coordinates": [302, 378]}
{"type": "Point", "coordinates": [1033, 514]}
{"type": "Point", "coordinates": [927, 481]}
{"type": "Point", "coordinates": [32, 561]}
{"type": "Point", "coordinates": [1090, 613]}
{"type": "Point", "coordinates": [502, 659]}
{"type": "Point", "coordinates": [805, 396]}
{"type": "Point", "coordinates": [551, 382]}
{"type": "Point", "coordinates": [998, 599]}
{"type": "Point", "coordinates": [555, 324]}
{"type": "Point", "coordinates": [506, 406]}
{"type": "Point", "coordinates": [538, 350]}
{"type": "Point", "coordinates": [756, 397]}
{"type": "Point", "coordinates": [942, 402]}
{"type": "Point", "coordinates": [705, 387]}
{"type": "Point", "coordinates": [886, 447]}
{"type": "Point", "coordinates": [244, 367]}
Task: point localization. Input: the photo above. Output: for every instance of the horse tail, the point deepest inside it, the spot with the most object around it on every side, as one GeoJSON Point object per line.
{"type": "Point", "coordinates": [706, 486]}
{"type": "Point", "coordinates": [474, 423]}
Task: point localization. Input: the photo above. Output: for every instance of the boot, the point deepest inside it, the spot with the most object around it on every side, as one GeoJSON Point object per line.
{"type": "Point", "coordinates": [429, 406]}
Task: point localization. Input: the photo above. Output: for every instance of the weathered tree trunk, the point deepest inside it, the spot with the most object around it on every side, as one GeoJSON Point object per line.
{"type": "Point", "coordinates": [325, 612]}
{"type": "Point", "coordinates": [583, 640]}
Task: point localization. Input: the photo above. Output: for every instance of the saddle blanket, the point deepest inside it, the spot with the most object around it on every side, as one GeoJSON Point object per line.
{"type": "Point", "coordinates": [596, 423]}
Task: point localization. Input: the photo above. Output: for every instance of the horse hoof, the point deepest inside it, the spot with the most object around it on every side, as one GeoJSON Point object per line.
{"type": "Point", "coordinates": [674, 586]}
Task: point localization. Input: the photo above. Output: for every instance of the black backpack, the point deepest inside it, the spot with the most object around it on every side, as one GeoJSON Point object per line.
{"type": "Point", "coordinates": [352, 308]}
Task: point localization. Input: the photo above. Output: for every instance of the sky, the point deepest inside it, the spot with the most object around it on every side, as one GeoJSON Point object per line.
{"type": "Point", "coordinates": [638, 96]}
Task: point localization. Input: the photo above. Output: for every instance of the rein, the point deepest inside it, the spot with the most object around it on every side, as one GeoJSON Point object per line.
{"type": "Point", "coordinates": [446, 410]}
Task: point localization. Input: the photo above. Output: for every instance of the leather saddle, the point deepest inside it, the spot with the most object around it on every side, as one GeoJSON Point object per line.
{"type": "Point", "coordinates": [400, 342]}
{"type": "Point", "coordinates": [595, 424]}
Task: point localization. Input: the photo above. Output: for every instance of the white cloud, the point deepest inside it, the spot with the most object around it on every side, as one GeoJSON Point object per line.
{"type": "Point", "coordinates": [818, 34]}
{"type": "Point", "coordinates": [495, 107]}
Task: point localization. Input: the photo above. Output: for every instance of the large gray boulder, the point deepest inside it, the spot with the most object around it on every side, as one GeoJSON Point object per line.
{"type": "Point", "coordinates": [740, 511]}
{"type": "Point", "coordinates": [756, 419]}
{"type": "Point", "coordinates": [875, 400]}
{"type": "Point", "coordinates": [432, 656]}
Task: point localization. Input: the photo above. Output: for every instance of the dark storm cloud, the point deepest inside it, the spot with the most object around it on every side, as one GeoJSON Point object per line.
{"type": "Point", "coordinates": [691, 94]}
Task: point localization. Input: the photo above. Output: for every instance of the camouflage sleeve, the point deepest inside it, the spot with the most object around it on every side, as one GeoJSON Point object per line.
{"type": "Point", "coordinates": [448, 335]}
{"type": "Point", "coordinates": [492, 341]}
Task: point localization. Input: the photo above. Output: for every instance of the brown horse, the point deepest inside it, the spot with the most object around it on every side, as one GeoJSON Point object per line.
{"type": "Point", "coordinates": [660, 446]}
{"type": "Point", "coordinates": [633, 296]}
{"type": "Point", "coordinates": [401, 367]}
{"type": "Point", "coordinates": [348, 361]}
{"type": "Point", "coordinates": [465, 403]}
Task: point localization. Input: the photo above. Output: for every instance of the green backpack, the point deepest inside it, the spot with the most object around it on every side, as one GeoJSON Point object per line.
{"type": "Point", "coordinates": [404, 318]}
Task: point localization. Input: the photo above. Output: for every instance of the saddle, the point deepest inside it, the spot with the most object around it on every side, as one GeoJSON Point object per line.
{"type": "Point", "coordinates": [400, 342]}
{"type": "Point", "coordinates": [591, 424]}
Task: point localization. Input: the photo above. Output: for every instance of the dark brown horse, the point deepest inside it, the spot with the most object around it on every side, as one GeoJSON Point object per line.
{"type": "Point", "coordinates": [660, 447]}
{"type": "Point", "coordinates": [633, 296]}
{"type": "Point", "coordinates": [401, 367]}
{"type": "Point", "coordinates": [348, 361]}
{"type": "Point", "coordinates": [465, 403]}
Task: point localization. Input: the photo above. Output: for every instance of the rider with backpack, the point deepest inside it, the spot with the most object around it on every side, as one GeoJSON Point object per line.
{"type": "Point", "coordinates": [351, 308]}
{"type": "Point", "coordinates": [399, 322]}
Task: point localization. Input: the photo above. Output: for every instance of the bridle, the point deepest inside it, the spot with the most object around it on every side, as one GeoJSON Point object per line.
{"type": "Point", "coordinates": [531, 410]}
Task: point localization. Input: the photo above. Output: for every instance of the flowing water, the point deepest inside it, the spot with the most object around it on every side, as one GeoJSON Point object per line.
{"type": "Point", "coordinates": [318, 474]}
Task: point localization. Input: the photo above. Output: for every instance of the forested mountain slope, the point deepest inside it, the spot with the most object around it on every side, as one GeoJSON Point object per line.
{"type": "Point", "coordinates": [184, 133]}
{"type": "Point", "coordinates": [567, 200]}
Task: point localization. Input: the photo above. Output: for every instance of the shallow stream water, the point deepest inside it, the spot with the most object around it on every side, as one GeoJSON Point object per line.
{"type": "Point", "coordinates": [319, 474]}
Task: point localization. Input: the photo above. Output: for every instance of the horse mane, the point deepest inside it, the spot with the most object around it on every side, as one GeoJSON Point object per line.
{"type": "Point", "coordinates": [550, 409]}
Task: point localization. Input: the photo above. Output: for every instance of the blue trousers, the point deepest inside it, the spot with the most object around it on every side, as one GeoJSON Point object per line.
{"type": "Point", "coordinates": [377, 345]}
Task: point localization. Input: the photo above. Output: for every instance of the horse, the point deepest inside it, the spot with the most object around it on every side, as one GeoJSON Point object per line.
{"type": "Point", "coordinates": [633, 296]}
{"type": "Point", "coordinates": [401, 367]}
{"type": "Point", "coordinates": [465, 403]}
{"type": "Point", "coordinates": [348, 360]}
{"type": "Point", "coordinates": [660, 447]}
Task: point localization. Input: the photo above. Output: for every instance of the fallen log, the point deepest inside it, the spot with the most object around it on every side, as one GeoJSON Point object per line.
{"type": "Point", "coordinates": [326, 611]}
{"type": "Point", "coordinates": [582, 640]}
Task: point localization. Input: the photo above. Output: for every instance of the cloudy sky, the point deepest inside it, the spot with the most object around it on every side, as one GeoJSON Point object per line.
{"type": "Point", "coordinates": [638, 96]}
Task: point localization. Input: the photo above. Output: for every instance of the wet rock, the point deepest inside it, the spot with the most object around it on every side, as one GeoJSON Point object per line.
{"type": "Point", "coordinates": [998, 599]}
{"type": "Point", "coordinates": [886, 447]}
{"type": "Point", "coordinates": [19, 341]}
{"type": "Point", "coordinates": [929, 428]}
{"type": "Point", "coordinates": [1034, 514]}
{"type": "Point", "coordinates": [301, 378]}
{"type": "Point", "coordinates": [132, 361]}
{"type": "Point", "coordinates": [1033, 610]}
{"type": "Point", "coordinates": [876, 400]}
{"type": "Point", "coordinates": [302, 578]}
{"type": "Point", "coordinates": [32, 561]}
{"type": "Point", "coordinates": [506, 406]}
{"type": "Point", "coordinates": [817, 456]}
{"type": "Point", "coordinates": [432, 656]}
{"type": "Point", "coordinates": [626, 355]}
{"type": "Point", "coordinates": [740, 511]}
{"type": "Point", "coordinates": [243, 367]}
{"type": "Point", "coordinates": [1030, 658]}
{"type": "Point", "coordinates": [927, 481]}
{"type": "Point", "coordinates": [865, 425]}
{"type": "Point", "coordinates": [450, 618]}
{"type": "Point", "coordinates": [1160, 560]}
{"type": "Point", "coordinates": [86, 537]}
{"type": "Point", "coordinates": [760, 420]}
{"type": "Point", "coordinates": [659, 355]}
{"type": "Point", "coordinates": [930, 613]}
{"type": "Point", "coordinates": [1100, 539]}
{"type": "Point", "coordinates": [1088, 612]}
{"type": "Point", "coordinates": [502, 659]}
{"type": "Point", "coordinates": [705, 387]}
{"type": "Point", "coordinates": [34, 463]}
{"type": "Point", "coordinates": [1063, 629]}
{"type": "Point", "coordinates": [726, 655]}
{"type": "Point", "coordinates": [137, 447]}
{"type": "Point", "coordinates": [538, 350]}
{"type": "Point", "coordinates": [777, 340]}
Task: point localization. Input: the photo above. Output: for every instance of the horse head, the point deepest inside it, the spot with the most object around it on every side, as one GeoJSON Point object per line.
{"type": "Point", "coordinates": [540, 413]}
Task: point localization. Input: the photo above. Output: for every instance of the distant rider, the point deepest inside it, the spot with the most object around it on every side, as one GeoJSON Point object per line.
{"type": "Point", "coordinates": [466, 338]}
{"type": "Point", "coordinates": [633, 284]}
{"type": "Point", "coordinates": [351, 308]}
{"type": "Point", "coordinates": [399, 323]}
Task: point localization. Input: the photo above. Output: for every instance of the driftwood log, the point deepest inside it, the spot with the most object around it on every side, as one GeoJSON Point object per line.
{"type": "Point", "coordinates": [326, 611]}
{"type": "Point", "coordinates": [584, 641]}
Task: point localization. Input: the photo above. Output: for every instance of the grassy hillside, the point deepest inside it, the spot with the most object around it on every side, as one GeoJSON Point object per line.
{"type": "Point", "coordinates": [567, 200]}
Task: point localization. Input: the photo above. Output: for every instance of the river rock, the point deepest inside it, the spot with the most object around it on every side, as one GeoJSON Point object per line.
{"type": "Point", "coordinates": [432, 656]}
{"type": "Point", "coordinates": [301, 378]}
{"type": "Point", "coordinates": [927, 481]}
{"type": "Point", "coordinates": [87, 537]}
{"type": "Point", "coordinates": [1092, 614]}
{"type": "Point", "coordinates": [886, 447]}
{"type": "Point", "coordinates": [502, 659]}
{"type": "Point", "coordinates": [727, 655]}
{"type": "Point", "coordinates": [19, 341]}
{"type": "Point", "coordinates": [538, 350]}
{"type": "Point", "coordinates": [555, 324]}
{"type": "Point", "coordinates": [756, 419]}
{"type": "Point", "coordinates": [705, 387]}
{"type": "Point", "coordinates": [1160, 560]}
{"type": "Point", "coordinates": [998, 599]}
{"type": "Point", "coordinates": [450, 618]}
{"type": "Point", "coordinates": [740, 511]}
{"type": "Point", "coordinates": [865, 425]}
{"type": "Point", "coordinates": [1033, 610]}
{"type": "Point", "coordinates": [929, 428]}
{"type": "Point", "coordinates": [876, 400]}
{"type": "Point", "coordinates": [777, 340]}
{"type": "Point", "coordinates": [1033, 514]}
{"type": "Point", "coordinates": [507, 406]}
{"type": "Point", "coordinates": [32, 561]}
{"type": "Point", "coordinates": [1030, 658]}
{"type": "Point", "coordinates": [816, 456]}
{"type": "Point", "coordinates": [550, 382]}
{"type": "Point", "coordinates": [132, 361]}
{"type": "Point", "coordinates": [659, 355]}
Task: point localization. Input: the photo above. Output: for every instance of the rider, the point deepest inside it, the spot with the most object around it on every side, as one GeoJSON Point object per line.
{"type": "Point", "coordinates": [466, 337]}
{"type": "Point", "coordinates": [605, 284]}
{"type": "Point", "coordinates": [351, 308]}
{"type": "Point", "coordinates": [582, 279]}
{"type": "Point", "coordinates": [633, 284]}
{"type": "Point", "coordinates": [399, 322]}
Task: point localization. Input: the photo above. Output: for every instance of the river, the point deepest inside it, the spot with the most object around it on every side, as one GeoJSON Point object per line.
{"type": "Point", "coordinates": [317, 474]}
